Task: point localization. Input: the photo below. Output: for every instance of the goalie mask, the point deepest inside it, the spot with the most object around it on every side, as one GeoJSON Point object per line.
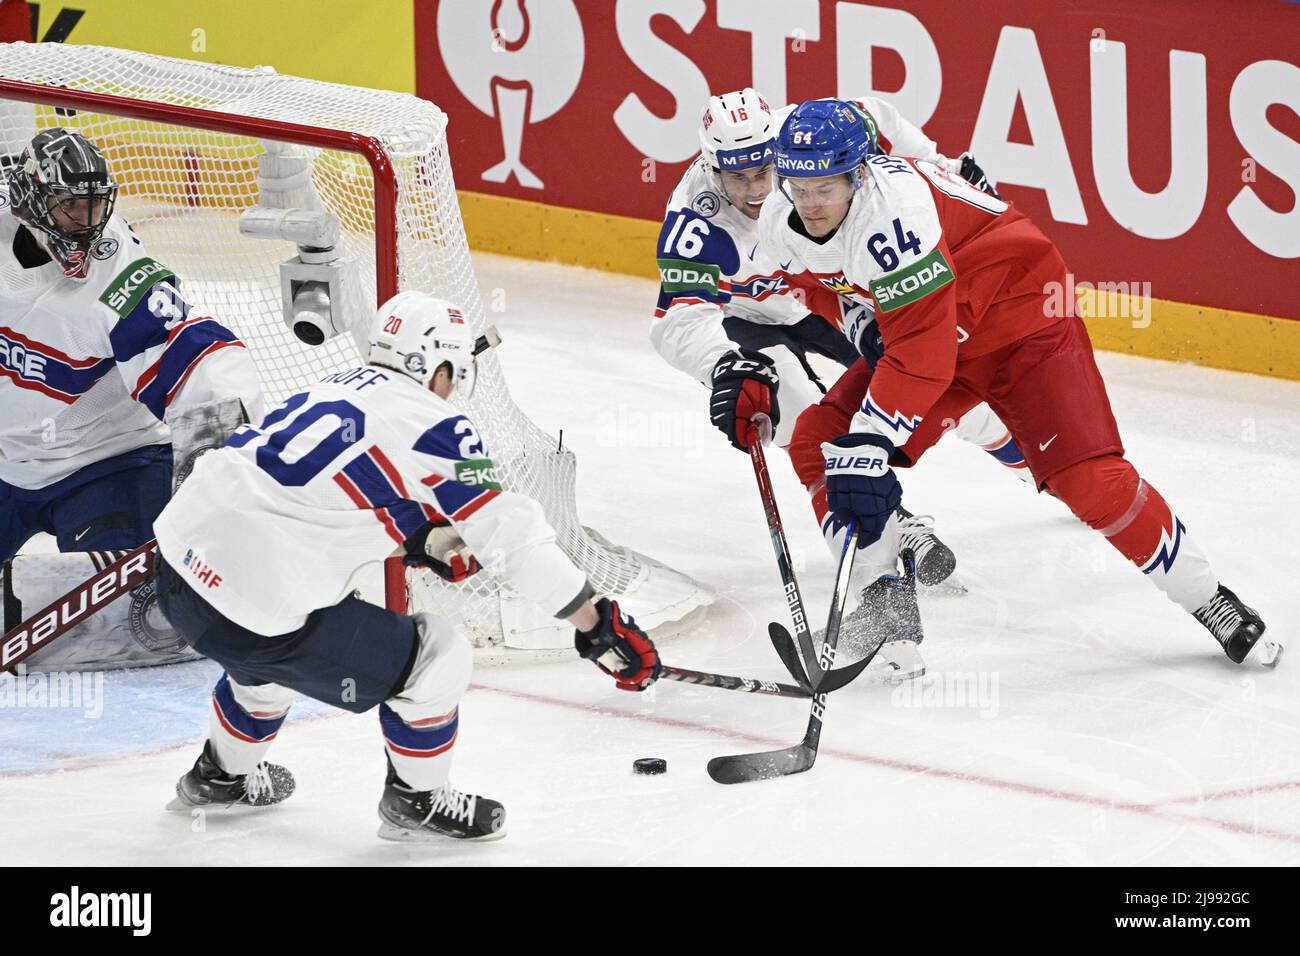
{"type": "Point", "coordinates": [62, 189]}
{"type": "Point", "coordinates": [415, 333]}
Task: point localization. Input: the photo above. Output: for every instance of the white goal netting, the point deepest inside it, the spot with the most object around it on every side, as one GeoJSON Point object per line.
{"type": "Point", "coordinates": [187, 142]}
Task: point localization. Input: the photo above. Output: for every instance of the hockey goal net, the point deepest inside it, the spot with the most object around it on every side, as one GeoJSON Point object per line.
{"type": "Point", "coordinates": [196, 146]}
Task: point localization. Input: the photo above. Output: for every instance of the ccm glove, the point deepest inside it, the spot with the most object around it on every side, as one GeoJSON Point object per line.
{"type": "Point", "coordinates": [744, 385]}
{"type": "Point", "coordinates": [619, 648]}
{"type": "Point", "coordinates": [971, 172]}
{"type": "Point", "coordinates": [860, 485]}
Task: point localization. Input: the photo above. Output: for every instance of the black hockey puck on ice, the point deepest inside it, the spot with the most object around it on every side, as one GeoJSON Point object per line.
{"type": "Point", "coordinates": [650, 765]}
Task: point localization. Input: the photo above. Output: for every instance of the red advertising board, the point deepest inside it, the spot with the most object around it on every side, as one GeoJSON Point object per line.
{"type": "Point", "coordinates": [1156, 142]}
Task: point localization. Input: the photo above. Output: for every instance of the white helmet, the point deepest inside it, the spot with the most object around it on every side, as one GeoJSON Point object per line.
{"type": "Point", "coordinates": [738, 131]}
{"type": "Point", "coordinates": [414, 333]}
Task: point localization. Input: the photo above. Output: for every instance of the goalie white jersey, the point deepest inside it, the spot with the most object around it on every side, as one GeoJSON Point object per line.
{"type": "Point", "coordinates": [712, 262]}
{"type": "Point", "coordinates": [89, 368]}
{"type": "Point", "coordinates": [338, 477]}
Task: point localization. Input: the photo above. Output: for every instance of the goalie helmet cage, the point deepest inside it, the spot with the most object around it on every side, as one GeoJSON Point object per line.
{"type": "Point", "coordinates": [188, 142]}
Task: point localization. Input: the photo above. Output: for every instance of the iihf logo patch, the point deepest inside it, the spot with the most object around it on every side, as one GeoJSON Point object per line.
{"type": "Point", "coordinates": [188, 557]}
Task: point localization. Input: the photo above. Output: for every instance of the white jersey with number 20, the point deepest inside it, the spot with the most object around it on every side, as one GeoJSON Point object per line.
{"type": "Point", "coordinates": [275, 524]}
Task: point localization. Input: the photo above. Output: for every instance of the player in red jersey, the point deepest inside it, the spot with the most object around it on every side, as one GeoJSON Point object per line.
{"type": "Point", "coordinates": [953, 283]}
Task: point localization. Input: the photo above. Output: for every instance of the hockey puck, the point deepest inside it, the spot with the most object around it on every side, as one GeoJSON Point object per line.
{"type": "Point", "coordinates": [650, 765]}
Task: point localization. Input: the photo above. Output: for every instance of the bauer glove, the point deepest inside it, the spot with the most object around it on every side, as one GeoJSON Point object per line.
{"type": "Point", "coordinates": [860, 485]}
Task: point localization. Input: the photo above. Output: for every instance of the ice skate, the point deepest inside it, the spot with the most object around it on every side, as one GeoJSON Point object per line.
{"type": "Point", "coordinates": [935, 561]}
{"type": "Point", "coordinates": [207, 785]}
{"type": "Point", "coordinates": [887, 616]}
{"type": "Point", "coordinates": [1238, 629]}
{"type": "Point", "coordinates": [424, 816]}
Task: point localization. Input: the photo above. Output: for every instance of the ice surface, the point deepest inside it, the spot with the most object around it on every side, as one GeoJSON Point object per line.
{"type": "Point", "coordinates": [1104, 725]}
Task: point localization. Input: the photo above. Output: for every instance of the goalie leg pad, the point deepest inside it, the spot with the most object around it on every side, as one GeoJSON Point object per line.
{"type": "Point", "coordinates": [131, 631]}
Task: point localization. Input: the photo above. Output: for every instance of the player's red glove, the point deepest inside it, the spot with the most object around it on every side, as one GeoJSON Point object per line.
{"type": "Point", "coordinates": [619, 648]}
{"type": "Point", "coordinates": [744, 387]}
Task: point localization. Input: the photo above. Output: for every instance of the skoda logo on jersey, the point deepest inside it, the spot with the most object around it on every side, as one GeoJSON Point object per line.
{"type": "Point", "coordinates": [414, 362]}
{"type": "Point", "coordinates": [106, 248]}
{"type": "Point", "coordinates": [707, 204]}
{"type": "Point", "coordinates": [747, 157]}
{"type": "Point", "coordinates": [677, 277]}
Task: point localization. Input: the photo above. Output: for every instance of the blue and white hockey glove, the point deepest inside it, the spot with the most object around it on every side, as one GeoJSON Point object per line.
{"type": "Point", "coordinates": [860, 484]}
{"type": "Point", "coordinates": [864, 332]}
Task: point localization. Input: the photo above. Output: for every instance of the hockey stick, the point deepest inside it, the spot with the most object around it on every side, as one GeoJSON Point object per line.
{"type": "Point", "coordinates": [809, 674]}
{"type": "Point", "coordinates": [784, 645]}
{"type": "Point", "coordinates": [490, 338]}
{"type": "Point", "coordinates": [750, 685]}
{"type": "Point", "coordinates": [742, 768]}
{"type": "Point", "coordinates": [831, 680]}
{"type": "Point", "coordinates": [97, 592]}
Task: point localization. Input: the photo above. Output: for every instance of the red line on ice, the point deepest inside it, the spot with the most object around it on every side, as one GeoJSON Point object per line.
{"type": "Point", "coordinates": [1051, 793]}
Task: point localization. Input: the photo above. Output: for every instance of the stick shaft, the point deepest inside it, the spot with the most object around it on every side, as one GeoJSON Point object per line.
{"type": "Point", "coordinates": [776, 531]}
{"type": "Point", "coordinates": [126, 573]}
{"type": "Point", "coordinates": [749, 685]}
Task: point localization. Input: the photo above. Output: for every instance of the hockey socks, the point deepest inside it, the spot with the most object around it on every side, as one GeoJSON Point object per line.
{"type": "Point", "coordinates": [420, 749]}
{"type": "Point", "coordinates": [244, 721]}
{"type": "Point", "coordinates": [1108, 495]}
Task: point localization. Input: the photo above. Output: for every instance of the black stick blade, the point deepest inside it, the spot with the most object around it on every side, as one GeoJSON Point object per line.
{"type": "Point", "coordinates": [744, 768]}
{"type": "Point", "coordinates": [834, 680]}
{"type": "Point", "coordinates": [789, 654]}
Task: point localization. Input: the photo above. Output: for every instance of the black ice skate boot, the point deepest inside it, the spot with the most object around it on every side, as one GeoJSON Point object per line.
{"type": "Point", "coordinates": [935, 561]}
{"type": "Point", "coordinates": [888, 617]}
{"type": "Point", "coordinates": [1239, 629]}
{"type": "Point", "coordinates": [427, 816]}
{"type": "Point", "coordinates": [207, 785]}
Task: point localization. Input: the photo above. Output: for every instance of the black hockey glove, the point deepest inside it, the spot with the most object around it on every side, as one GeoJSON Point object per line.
{"type": "Point", "coordinates": [619, 648]}
{"type": "Point", "coordinates": [744, 386]}
{"type": "Point", "coordinates": [971, 172]}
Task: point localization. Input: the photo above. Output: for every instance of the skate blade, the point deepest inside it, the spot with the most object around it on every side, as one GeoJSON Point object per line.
{"type": "Point", "coordinates": [892, 674]}
{"type": "Point", "coordinates": [179, 804]}
{"type": "Point", "coordinates": [396, 834]}
{"type": "Point", "coordinates": [948, 587]}
{"type": "Point", "coordinates": [1265, 653]}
